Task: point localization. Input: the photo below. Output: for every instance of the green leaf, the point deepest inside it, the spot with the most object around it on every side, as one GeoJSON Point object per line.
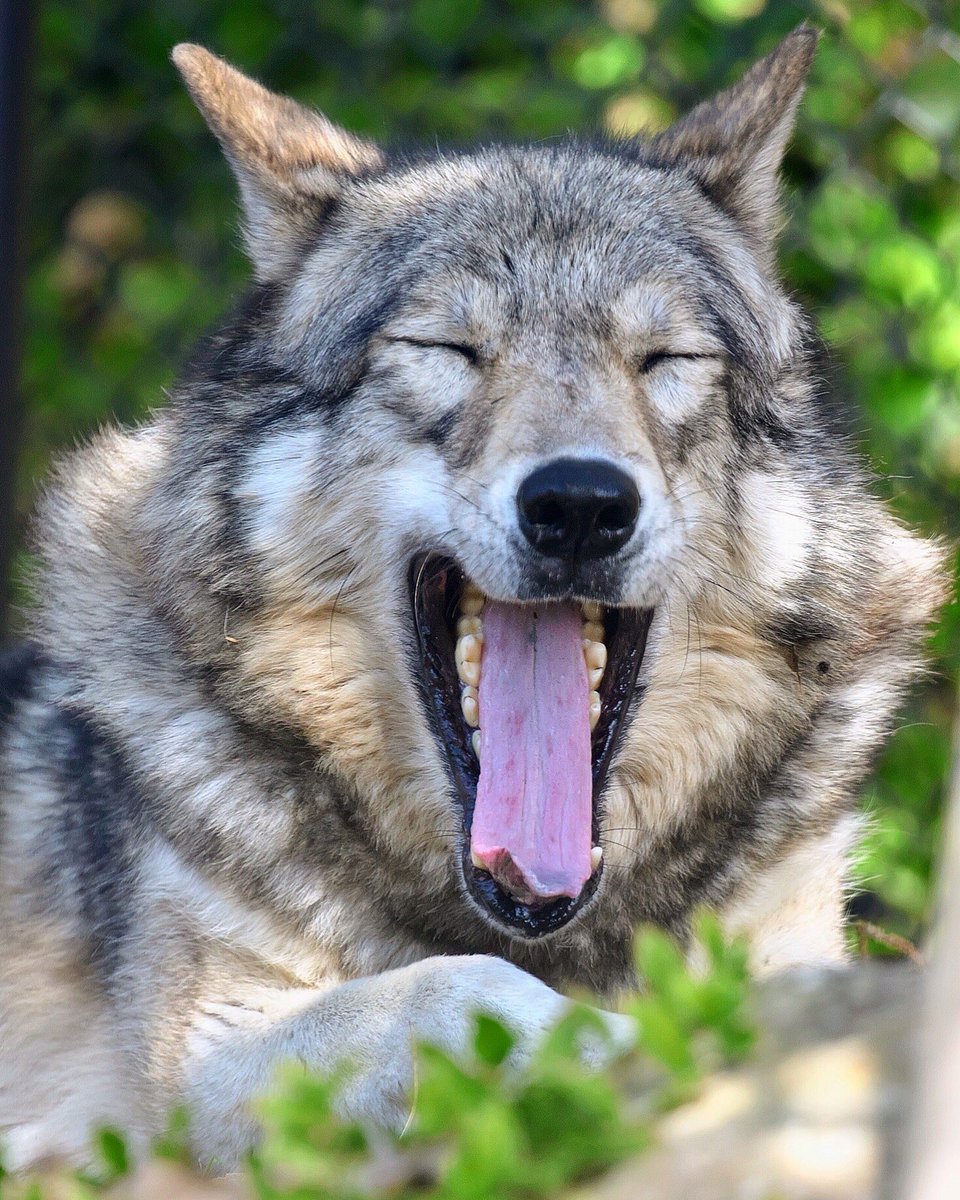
{"type": "Point", "coordinates": [493, 1041]}
{"type": "Point", "coordinates": [112, 1149]}
{"type": "Point", "coordinates": [608, 62]}
{"type": "Point", "coordinates": [731, 12]}
{"type": "Point", "coordinates": [658, 957]}
{"type": "Point", "coordinates": [665, 1039]}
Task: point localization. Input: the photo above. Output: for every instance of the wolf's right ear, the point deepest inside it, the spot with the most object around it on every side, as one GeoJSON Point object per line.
{"type": "Point", "coordinates": [733, 144]}
{"type": "Point", "coordinates": [290, 161]}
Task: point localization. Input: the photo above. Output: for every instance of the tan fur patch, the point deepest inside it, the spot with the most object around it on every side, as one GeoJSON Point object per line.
{"type": "Point", "coordinates": [264, 131]}
{"type": "Point", "coordinates": [326, 675]}
{"type": "Point", "coordinates": [709, 690]}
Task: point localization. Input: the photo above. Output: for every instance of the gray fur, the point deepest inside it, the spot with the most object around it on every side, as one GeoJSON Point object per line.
{"type": "Point", "coordinates": [223, 804]}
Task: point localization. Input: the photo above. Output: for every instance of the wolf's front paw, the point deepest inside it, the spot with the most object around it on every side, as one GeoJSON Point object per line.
{"type": "Point", "coordinates": [525, 1005]}
{"type": "Point", "coordinates": [438, 1000]}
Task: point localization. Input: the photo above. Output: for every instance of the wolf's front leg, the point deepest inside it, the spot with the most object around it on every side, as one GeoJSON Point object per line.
{"type": "Point", "coordinates": [370, 1025]}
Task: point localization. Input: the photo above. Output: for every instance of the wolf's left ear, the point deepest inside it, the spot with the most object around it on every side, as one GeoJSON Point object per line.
{"type": "Point", "coordinates": [290, 161]}
{"type": "Point", "coordinates": [734, 143]}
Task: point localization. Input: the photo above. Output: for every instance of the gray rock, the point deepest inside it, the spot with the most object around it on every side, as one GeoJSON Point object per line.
{"type": "Point", "coordinates": [819, 1113]}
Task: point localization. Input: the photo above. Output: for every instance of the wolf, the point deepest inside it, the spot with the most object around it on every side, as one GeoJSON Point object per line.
{"type": "Point", "coordinates": [499, 578]}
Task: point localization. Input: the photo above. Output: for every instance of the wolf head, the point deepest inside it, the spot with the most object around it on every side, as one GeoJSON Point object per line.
{"type": "Point", "coordinates": [510, 493]}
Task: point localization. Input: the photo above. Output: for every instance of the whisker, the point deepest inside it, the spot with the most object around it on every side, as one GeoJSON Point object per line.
{"type": "Point", "coordinates": [466, 499]}
{"type": "Point", "coordinates": [315, 568]}
{"type": "Point", "coordinates": [333, 612]}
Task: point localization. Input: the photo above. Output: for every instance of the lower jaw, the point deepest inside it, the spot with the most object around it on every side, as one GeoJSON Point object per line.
{"type": "Point", "coordinates": [528, 921]}
{"type": "Point", "coordinates": [436, 585]}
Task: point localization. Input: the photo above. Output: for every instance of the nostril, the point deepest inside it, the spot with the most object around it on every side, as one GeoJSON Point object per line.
{"type": "Point", "coordinates": [547, 513]}
{"type": "Point", "coordinates": [614, 519]}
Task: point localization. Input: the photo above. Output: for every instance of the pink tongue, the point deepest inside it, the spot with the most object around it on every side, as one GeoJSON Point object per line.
{"type": "Point", "coordinates": [532, 821]}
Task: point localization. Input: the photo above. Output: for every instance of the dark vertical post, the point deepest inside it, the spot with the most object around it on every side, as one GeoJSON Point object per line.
{"type": "Point", "coordinates": [16, 41]}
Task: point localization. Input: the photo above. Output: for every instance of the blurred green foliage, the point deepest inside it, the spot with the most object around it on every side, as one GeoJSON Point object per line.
{"type": "Point", "coordinates": [132, 216]}
{"type": "Point", "coordinates": [690, 1020]}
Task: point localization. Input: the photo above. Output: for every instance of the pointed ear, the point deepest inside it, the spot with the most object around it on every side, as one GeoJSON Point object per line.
{"type": "Point", "coordinates": [290, 161]}
{"type": "Point", "coordinates": [734, 143]}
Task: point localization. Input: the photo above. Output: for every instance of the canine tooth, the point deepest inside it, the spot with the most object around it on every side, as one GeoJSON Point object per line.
{"type": "Point", "coordinates": [471, 605]}
{"type": "Point", "coordinates": [591, 610]}
{"type": "Point", "coordinates": [475, 743]}
{"type": "Point", "coordinates": [468, 625]}
{"type": "Point", "coordinates": [594, 709]}
{"type": "Point", "coordinates": [469, 673]}
{"type": "Point", "coordinates": [595, 676]}
{"type": "Point", "coordinates": [596, 654]}
{"type": "Point", "coordinates": [476, 861]}
{"type": "Point", "coordinates": [470, 647]}
{"type": "Point", "coordinates": [470, 705]}
{"type": "Point", "coordinates": [596, 857]}
{"type": "Point", "coordinates": [593, 631]}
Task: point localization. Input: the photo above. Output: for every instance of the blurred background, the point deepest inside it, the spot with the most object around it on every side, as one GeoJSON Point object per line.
{"type": "Point", "coordinates": [132, 246]}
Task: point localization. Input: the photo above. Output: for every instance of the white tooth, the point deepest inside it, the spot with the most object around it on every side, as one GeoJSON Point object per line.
{"type": "Point", "coordinates": [596, 857]}
{"type": "Point", "coordinates": [470, 705]}
{"type": "Point", "coordinates": [470, 648]}
{"type": "Point", "coordinates": [595, 676]}
{"type": "Point", "coordinates": [475, 743]}
{"type": "Point", "coordinates": [469, 673]}
{"type": "Point", "coordinates": [468, 625]}
{"type": "Point", "coordinates": [591, 610]}
{"type": "Point", "coordinates": [596, 654]}
{"type": "Point", "coordinates": [593, 631]}
{"type": "Point", "coordinates": [472, 605]}
{"type": "Point", "coordinates": [594, 709]}
{"type": "Point", "coordinates": [476, 861]}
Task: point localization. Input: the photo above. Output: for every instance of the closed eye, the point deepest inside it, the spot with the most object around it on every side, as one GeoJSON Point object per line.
{"type": "Point", "coordinates": [649, 362]}
{"type": "Point", "coordinates": [470, 353]}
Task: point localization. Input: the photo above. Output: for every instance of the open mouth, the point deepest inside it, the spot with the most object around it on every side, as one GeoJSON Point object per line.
{"type": "Point", "coordinates": [529, 702]}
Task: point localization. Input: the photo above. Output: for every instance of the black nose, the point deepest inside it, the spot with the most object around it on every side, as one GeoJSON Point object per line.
{"type": "Point", "coordinates": [578, 508]}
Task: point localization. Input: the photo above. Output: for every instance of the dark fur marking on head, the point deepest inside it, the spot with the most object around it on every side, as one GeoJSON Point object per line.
{"type": "Point", "coordinates": [754, 422]}
{"type": "Point", "coordinates": [219, 353]}
{"type": "Point", "coordinates": [439, 432]}
{"type": "Point", "coordinates": [237, 366]}
{"type": "Point", "coordinates": [800, 628]}
{"type": "Point", "coordinates": [687, 435]}
{"type": "Point", "coordinates": [734, 345]}
{"type": "Point", "coordinates": [726, 290]}
{"type": "Point", "coordinates": [354, 338]}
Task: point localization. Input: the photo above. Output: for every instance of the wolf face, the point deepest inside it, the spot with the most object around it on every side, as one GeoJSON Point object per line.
{"type": "Point", "coordinates": [510, 498]}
